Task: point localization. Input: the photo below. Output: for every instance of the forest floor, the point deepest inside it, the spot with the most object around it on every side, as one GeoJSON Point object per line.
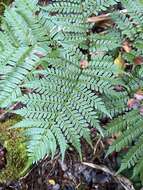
{"type": "Point", "coordinates": [94, 172]}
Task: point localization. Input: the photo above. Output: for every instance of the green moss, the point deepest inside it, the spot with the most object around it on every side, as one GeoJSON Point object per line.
{"type": "Point", "coordinates": [16, 151]}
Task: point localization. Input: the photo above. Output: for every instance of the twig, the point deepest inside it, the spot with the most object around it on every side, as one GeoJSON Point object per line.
{"type": "Point", "coordinates": [103, 17]}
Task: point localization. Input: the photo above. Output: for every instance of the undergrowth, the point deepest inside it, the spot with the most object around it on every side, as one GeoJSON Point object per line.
{"type": "Point", "coordinates": [68, 77]}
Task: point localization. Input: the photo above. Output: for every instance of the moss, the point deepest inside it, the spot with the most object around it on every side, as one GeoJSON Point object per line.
{"type": "Point", "coordinates": [16, 155]}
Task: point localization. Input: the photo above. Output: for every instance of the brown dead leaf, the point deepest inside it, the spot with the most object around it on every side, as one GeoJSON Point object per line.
{"type": "Point", "coordinates": [100, 18]}
{"type": "Point", "coordinates": [103, 21]}
{"type": "Point", "coordinates": [133, 103]}
{"type": "Point", "coordinates": [127, 46]}
{"type": "Point", "coordinates": [110, 141]}
{"type": "Point", "coordinates": [119, 88]}
{"type": "Point", "coordinates": [84, 64]}
{"type": "Point", "coordinates": [138, 60]}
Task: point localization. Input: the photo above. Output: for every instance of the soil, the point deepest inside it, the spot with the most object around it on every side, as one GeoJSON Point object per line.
{"type": "Point", "coordinates": [71, 174]}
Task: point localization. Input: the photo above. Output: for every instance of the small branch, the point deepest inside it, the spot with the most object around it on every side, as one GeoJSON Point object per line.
{"type": "Point", "coordinates": [103, 17]}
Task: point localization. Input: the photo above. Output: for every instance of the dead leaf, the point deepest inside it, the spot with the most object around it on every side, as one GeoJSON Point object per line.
{"type": "Point", "coordinates": [127, 46]}
{"type": "Point", "coordinates": [119, 88]}
{"type": "Point", "coordinates": [84, 64]}
{"type": "Point", "coordinates": [133, 103]}
{"type": "Point", "coordinates": [139, 95]}
{"type": "Point", "coordinates": [138, 60]}
{"type": "Point", "coordinates": [51, 182]}
{"type": "Point", "coordinates": [120, 63]}
{"type": "Point", "coordinates": [100, 18]}
{"type": "Point", "coordinates": [110, 141]}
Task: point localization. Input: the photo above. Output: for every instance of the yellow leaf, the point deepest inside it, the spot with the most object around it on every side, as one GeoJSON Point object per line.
{"type": "Point", "coordinates": [119, 62]}
{"type": "Point", "coordinates": [51, 182]}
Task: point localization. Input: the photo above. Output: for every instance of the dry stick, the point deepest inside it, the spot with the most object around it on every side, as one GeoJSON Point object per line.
{"type": "Point", "coordinates": [102, 17]}
{"type": "Point", "coordinates": [126, 183]}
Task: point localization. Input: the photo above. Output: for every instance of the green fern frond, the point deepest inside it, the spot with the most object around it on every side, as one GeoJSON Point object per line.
{"type": "Point", "coordinates": [118, 104]}
{"type": "Point", "coordinates": [123, 122]}
{"type": "Point", "coordinates": [64, 99]}
{"type": "Point", "coordinates": [133, 155]}
{"type": "Point", "coordinates": [106, 42]}
{"type": "Point", "coordinates": [77, 86]}
{"type": "Point", "coordinates": [124, 24]}
{"type": "Point", "coordinates": [16, 70]}
{"type": "Point", "coordinates": [131, 130]}
{"type": "Point", "coordinates": [135, 10]}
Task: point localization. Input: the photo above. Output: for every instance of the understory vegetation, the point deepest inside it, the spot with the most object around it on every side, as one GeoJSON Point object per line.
{"type": "Point", "coordinates": [67, 67]}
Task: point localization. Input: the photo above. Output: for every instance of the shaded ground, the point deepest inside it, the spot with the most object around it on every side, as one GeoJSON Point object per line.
{"type": "Point", "coordinates": [72, 174]}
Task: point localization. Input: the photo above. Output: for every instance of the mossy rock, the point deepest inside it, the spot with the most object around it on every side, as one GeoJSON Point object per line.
{"type": "Point", "coordinates": [16, 155]}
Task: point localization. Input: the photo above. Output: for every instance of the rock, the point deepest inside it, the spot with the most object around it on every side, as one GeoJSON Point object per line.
{"type": "Point", "coordinates": [56, 187]}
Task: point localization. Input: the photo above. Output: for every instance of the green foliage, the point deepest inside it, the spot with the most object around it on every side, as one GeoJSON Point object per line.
{"type": "Point", "coordinates": [65, 96]}
{"type": "Point", "coordinates": [128, 126]}
{"type": "Point", "coordinates": [65, 74]}
{"type": "Point", "coordinates": [63, 103]}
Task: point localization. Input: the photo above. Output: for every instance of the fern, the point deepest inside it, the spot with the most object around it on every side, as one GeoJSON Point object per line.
{"type": "Point", "coordinates": [64, 100]}
{"type": "Point", "coordinates": [131, 130]}
{"type": "Point", "coordinates": [128, 122]}
{"type": "Point", "coordinates": [76, 86]}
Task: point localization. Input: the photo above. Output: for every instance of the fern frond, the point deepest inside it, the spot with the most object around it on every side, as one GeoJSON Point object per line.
{"type": "Point", "coordinates": [66, 96]}
{"type": "Point", "coordinates": [135, 10]}
{"type": "Point", "coordinates": [106, 42]}
{"type": "Point", "coordinates": [65, 99]}
{"type": "Point", "coordinates": [131, 132]}
{"type": "Point", "coordinates": [16, 70]}
{"type": "Point", "coordinates": [118, 104]}
{"type": "Point", "coordinates": [124, 24]}
{"type": "Point", "coordinates": [133, 155]}
{"type": "Point", "coordinates": [122, 122]}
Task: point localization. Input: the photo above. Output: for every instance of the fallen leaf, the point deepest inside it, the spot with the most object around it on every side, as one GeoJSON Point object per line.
{"type": "Point", "coordinates": [120, 63]}
{"type": "Point", "coordinates": [119, 88]}
{"type": "Point", "coordinates": [110, 141]}
{"type": "Point", "coordinates": [84, 64]}
{"type": "Point", "coordinates": [133, 103]}
{"type": "Point", "coordinates": [99, 18]}
{"type": "Point", "coordinates": [125, 182]}
{"type": "Point", "coordinates": [127, 46]}
{"type": "Point", "coordinates": [51, 182]}
{"type": "Point", "coordinates": [138, 60]}
{"type": "Point", "coordinates": [139, 95]}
